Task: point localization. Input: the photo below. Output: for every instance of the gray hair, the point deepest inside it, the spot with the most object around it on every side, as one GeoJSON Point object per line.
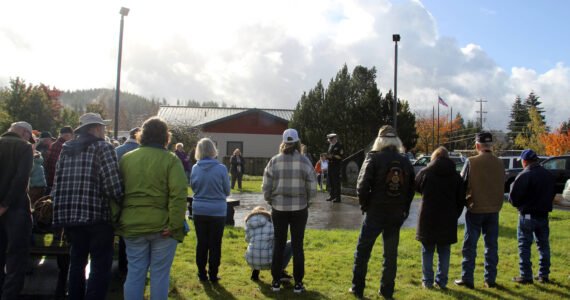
{"type": "Point", "coordinates": [383, 142]}
{"type": "Point", "coordinates": [205, 149]}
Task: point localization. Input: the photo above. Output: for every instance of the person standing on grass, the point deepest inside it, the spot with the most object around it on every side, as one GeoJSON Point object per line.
{"type": "Point", "coordinates": [211, 185]}
{"type": "Point", "coordinates": [16, 156]}
{"type": "Point", "coordinates": [260, 236]}
{"type": "Point", "coordinates": [443, 199]}
{"type": "Point", "coordinates": [153, 212]}
{"type": "Point", "coordinates": [334, 156]}
{"type": "Point", "coordinates": [289, 186]}
{"type": "Point", "coordinates": [484, 175]}
{"type": "Point", "coordinates": [86, 183]}
{"type": "Point", "coordinates": [532, 193]}
{"type": "Point", "coordinates": [385, 189]}
{"type": "Point", "coordinates": [237, 168]}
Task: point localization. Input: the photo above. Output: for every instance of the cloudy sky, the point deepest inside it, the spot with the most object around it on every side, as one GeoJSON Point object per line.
{"type": "Point", "coordinates": [266, 53]}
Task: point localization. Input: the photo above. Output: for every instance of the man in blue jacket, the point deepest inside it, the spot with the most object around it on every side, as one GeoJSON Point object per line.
{"type": "Point", "coordinates": [532, 193]}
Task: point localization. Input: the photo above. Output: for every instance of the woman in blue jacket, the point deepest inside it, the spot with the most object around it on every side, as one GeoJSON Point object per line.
{"type": "Point", "coordinates": [211, 185]}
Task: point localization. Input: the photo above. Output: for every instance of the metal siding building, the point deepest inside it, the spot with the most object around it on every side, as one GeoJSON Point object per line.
{"type": "Point", "coordinates": [258, 132]}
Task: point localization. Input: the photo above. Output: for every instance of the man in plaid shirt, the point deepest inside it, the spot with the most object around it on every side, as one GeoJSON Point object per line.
{"type": "Point", "coordinates": [289, 186]}
{"type": "Point", "coordinates": [65, 134]}
{"type": "Point", "coordinates": [86, 182]}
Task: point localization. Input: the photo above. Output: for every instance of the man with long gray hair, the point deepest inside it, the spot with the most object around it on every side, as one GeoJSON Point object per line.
{"type": "Point", "coordinates": [385, 190]}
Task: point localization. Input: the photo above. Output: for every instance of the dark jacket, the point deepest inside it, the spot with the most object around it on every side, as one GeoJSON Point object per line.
{"type": "Point", "coordinates": [443, 198]}
{"type": "Point", "coordinates": [532, 191]}
{"type": "Point", "coordinates": [234, 164]}
{"type": "Point", "coordinates": [386, 183]}
{"type": "Point", "coordinates": [16, 159]}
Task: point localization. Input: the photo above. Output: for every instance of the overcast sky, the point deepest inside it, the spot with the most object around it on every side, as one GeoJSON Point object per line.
{"type": "Point", "coordinates": [265, 53]}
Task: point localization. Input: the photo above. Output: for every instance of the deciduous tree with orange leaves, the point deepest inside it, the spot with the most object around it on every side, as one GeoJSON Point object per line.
{"type": "Point", "coordinates": [557, 142]}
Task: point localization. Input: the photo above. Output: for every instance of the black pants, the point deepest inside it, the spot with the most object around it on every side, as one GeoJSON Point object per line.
{"type": "Point", "coordinates": [237, 176]}
{"type": "Point", "coordinates": [281, 221]}
{"type": "Point", "coordinates": [209, 233]}
{"type": "Point", "coordinates": [15, 233]}
{"type": "Point", "coordinates": [95, 243]}
{"type": "Point", "coordinates": [334, 181]}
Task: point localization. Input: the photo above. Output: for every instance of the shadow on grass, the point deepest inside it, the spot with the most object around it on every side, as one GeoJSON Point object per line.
{"type": "Point", "coordinates": [286, 291]}
{"type": "Point", "coordinates": [216, 291]}
{"type": "Point", "coordinates": [543, 287]}
{"type": "Point", "coordinates": [507, 232]}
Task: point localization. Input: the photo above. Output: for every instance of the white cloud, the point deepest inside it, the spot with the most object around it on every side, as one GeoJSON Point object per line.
{"type": "Point", "coordinates": [262, 53]}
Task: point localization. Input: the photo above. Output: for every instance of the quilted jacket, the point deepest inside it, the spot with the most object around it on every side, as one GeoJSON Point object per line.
{"type": "Point", "coordinates": [259, 235]}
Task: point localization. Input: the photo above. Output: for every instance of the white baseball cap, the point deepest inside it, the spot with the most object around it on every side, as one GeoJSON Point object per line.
{"type": "Point", "coordinates": [290, 136]}
{"type": "Point", "coordinates": [23, 125]}
{"type": "Point", "coordinates": [91, 118]}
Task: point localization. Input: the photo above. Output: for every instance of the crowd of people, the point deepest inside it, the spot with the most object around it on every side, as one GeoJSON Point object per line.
{"type": "Point", "coordinates": [138, 191]}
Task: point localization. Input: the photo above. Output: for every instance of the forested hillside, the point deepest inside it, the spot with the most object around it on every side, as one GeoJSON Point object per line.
{"type": "Point", "coordinates": [133, 110]}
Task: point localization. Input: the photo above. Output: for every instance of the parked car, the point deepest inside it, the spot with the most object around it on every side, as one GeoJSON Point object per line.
{"type": "Point", "coordinates": [513, 166]}
{"type": "Point", "coordinates": [566, 192]}
{"type": "Point", "coordinates": [424, 160]}
{"type": "Point", "coordinates": [559, 166]}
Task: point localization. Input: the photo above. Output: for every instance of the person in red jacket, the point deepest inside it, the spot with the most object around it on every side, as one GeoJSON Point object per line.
{"type": "Point", "coordinates": [65, 134]}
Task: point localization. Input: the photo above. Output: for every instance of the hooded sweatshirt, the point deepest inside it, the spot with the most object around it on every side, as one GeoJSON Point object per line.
{"type": "Point", "coordinates": [211, 185]}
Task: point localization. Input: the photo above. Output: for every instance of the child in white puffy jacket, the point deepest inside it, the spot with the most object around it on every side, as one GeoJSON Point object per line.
{"type": "Point", "coordinates": [259, 235]}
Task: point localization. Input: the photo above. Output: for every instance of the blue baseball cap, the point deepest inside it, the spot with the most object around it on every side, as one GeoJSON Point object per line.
{"type": "Point", "coordinates": [528, 155]}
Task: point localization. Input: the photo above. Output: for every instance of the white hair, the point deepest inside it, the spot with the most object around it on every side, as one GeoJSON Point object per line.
{"type": "Point", "coordinates": [205, 149]}
{"type": "Point", "coordinates": [383, 142]}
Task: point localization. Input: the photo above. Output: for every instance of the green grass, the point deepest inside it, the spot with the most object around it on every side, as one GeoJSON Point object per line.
{"type": "Point", "coordinates": [329, 259]}
{"type": "Point", "coordinates": [249, 184]}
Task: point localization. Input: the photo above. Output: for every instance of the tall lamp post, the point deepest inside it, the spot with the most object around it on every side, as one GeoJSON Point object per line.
{"type": "Point", "coordinates": [124, 12]}
{"type": "Point", "coordinates": [396, 39]}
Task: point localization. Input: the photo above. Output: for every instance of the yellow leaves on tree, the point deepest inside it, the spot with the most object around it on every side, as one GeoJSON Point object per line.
{"type": "Point", "coordinates": [530, 137]}
{"type": "Point", "coordinates": [558, 142]}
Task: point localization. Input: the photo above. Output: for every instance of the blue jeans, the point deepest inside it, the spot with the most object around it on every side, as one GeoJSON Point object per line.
{"type": "Point", "coordinates": [443, 251]}
{"type": "Point", "coordinates": [95, 242]}
{"type": "Point", "coordinates": [537, 228]}
{"type": "Point", "coordinates": [188, 174]}
{"type": "Point", "coordinates": [152, 251]}
{"type": "Point", "coordinates": [488, 223]}
{"type": "Point", "coordinates": [373, 225]}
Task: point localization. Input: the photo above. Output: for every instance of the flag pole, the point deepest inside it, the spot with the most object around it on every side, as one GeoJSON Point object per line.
{"type": "Point", "coordinates": [437, 121]}
{"type": "Point", "coordinates": [451, 129]}
{"type": "Point", "coordinates": [433, 128]}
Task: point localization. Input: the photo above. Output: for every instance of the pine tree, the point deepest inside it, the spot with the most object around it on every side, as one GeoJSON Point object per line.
{"type": "Point", "coordinates": [532, 101]}
{"type": "Point", "coordinates": [519, 118]}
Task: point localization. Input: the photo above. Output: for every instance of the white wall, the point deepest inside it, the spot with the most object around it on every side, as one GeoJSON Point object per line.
{"type": "Point", "coordinates": [254, 145]}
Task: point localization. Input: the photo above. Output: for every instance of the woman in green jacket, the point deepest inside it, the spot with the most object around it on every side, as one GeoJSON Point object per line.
{"type": "Point", "coordinates": [153, 212]}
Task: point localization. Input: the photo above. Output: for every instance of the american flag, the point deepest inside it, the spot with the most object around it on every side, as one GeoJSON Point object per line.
{"type": "Point", "coordinates": [441, 101]}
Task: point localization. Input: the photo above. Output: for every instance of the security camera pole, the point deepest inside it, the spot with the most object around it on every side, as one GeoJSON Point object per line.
{"type": "Point", "coordinates": [124, 12]}
{"type": "Point", "coordinates": [396, 39]}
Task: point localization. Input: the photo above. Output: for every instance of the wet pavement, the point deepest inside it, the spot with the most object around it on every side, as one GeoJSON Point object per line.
{"type": "Point", "coordinates": [324, 214]}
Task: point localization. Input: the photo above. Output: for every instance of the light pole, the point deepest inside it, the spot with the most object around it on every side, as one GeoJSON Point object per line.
{"type": "Point", "coordinates": [124, 12]}
{"type": "Point", "coordinates": [396, 39]}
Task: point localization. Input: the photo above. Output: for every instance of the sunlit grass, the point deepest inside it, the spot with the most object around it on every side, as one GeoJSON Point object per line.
{"type": "Point", "coordinates": [329, 259]}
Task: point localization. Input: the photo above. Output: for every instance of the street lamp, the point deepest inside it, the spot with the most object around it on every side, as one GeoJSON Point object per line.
{"type": "Point", "coordinates": [124, 12]}
{"type": "Point", "coordinates": [396, 39]}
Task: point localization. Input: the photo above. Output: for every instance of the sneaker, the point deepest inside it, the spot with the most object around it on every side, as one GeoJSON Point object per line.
{"type": "Point", "coordinates": [215, 279]}
{"type": "Point", "coordinates": [284, 277]}
{"type": "Point", "coordinates": [255, 275]}
{"type": "Point", "coordinates": [355, 293]}
{"type": "Point", "coordinates": [467, 284]}
{"type": "Point", "coordinates": [541, 279]}
{"type": "Point", "coordinates": [202, 277]}
{"type": "Point", "coordinates": [427, 286]}
{"type": "Point", "coordinates": [490, 285]}
{"type": "Point", "coordinates": [521, 280]}
{"type": "Point", "coordinates": [437, 286]}
{"type": "Point", "coordinates": [276, 286]}
{"type": "Point", "coordinates": [299, 288]}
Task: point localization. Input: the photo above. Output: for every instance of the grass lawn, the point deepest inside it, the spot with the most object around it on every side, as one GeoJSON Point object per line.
{"type": "Point", "coordinates": [329, 259]}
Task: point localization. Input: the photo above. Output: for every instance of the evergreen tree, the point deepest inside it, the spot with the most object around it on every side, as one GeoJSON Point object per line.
{"type": "Point", "coordinates": [519, 118]}
{"type": "Point", "coordinates": [530, 137]}
{"type": "Point", "coordinates": [532, 101]}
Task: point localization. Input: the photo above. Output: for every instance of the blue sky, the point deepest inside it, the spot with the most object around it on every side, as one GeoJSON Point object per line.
{"type": "Point", "coordinates": [524, 33]}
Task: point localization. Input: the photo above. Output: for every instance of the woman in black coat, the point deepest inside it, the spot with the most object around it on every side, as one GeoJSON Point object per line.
{"type": "Point", "coordinates": [443, 198]}
{"type": "Point", "coordinates": [237, 168]}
